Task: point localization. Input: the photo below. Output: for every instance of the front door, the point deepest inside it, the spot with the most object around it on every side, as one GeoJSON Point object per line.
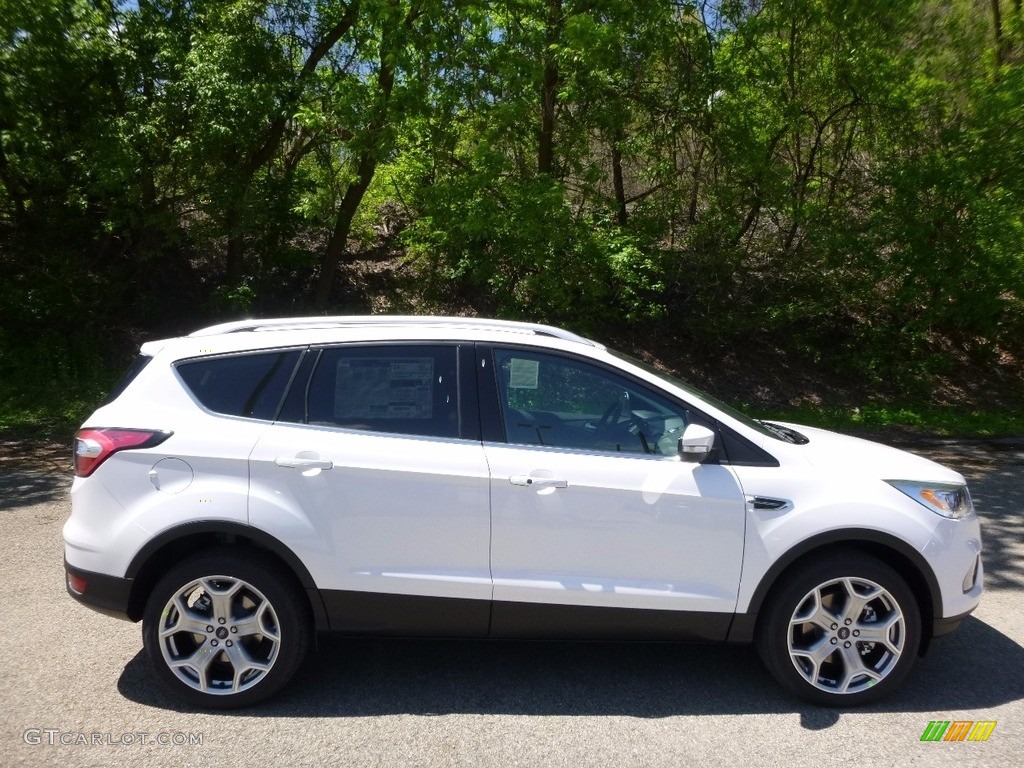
{"type": "Point", "coordinates": [598, 527]}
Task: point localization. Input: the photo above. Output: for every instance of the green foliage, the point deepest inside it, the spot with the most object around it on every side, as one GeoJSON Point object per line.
{"type": "Point", "coordinates": [516, 243]}
{"type": "Point", "coordinates": [51, 383]}
{"type": "Point", "coordinates": [232, 299]}
{"type": "Point", "coordinates": [836, 178]}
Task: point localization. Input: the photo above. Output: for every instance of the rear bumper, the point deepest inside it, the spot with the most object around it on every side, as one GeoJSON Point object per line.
{"type": "Point", "coordinates": [106, 594]}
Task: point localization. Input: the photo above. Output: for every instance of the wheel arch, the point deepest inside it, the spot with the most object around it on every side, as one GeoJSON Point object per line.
{"type": "Point", "coordinates": [894, 552]}
{"type": "Point", "coordinates": [171, 546]}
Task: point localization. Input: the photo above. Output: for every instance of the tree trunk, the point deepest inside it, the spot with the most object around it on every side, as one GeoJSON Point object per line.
{"type": "Point", "coordinates": [698, 163]}
{"type": "Point", "coordinates": [997, 23]}
{"type": "Point", "coordinates": [549, 91]}
{"type": "Point", "coordinates": [262, 155]}
{"type": "Point", "coordinates": [336, 245]}
{"type": "Point", "coordinates": [621, 215]}
{"type": "Point", "coordinates": [234, 267]}
{"type": "Point", "coordinates": [365, 169]}
{"type": "Point", "coordinates": [12, 189]}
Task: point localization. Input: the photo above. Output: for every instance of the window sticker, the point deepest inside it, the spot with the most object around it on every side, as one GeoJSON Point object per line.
{"type": "Point", "coordinates": [523, 374]}
{"type": "Point", "coordinates": [384, 388]}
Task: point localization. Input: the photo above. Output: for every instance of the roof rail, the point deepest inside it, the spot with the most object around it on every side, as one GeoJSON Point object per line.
{"type": "Point", "coordinates": [340, 321]}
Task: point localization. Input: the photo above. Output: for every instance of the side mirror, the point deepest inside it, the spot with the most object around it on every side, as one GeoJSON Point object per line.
{"type": "Point", "coordinates": [696, 443]}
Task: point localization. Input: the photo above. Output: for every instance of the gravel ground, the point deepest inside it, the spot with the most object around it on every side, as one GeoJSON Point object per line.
{"type": "Point", "coordinates": [76, 677]}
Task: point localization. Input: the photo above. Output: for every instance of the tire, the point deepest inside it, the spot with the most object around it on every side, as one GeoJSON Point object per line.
{"type": "Point", "coordinates": [814, 630]}
{"type": "Point", "coordinates": [226, 628]}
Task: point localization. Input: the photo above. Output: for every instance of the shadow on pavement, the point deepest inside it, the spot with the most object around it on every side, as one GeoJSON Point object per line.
{"type": "Point", "coordinates": [976, 668]}
{"type": "Point", "coordinates": [999, 498]}
{"type": "Point", "coordinates": [20, 488]}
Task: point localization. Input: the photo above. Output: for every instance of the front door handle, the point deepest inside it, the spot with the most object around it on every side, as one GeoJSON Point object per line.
{"type": "Point", "coordinates": [297, 463]}
{"type": "Point", "coordinates": [538, 482]}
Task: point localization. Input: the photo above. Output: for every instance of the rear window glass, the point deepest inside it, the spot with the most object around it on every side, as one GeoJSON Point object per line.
{"type": "Point", "coordinates": [241, 385]}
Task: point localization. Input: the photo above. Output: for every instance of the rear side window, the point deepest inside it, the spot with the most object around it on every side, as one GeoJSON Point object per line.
{"type": "Point", "coordinates": [241, 385]}
{"type": "Point", "coordinates": [404, 389]}
{"type": "Point", "coordinates": [140, 362]}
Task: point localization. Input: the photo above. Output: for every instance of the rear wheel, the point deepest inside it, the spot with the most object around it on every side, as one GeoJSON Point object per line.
{"type": "Point", "coordinates": [226, 629]}
{"type": "Point", "coordinates": [840, 631]}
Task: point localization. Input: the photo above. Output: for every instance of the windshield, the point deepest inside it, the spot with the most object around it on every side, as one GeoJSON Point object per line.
{"type": "Point", "coordinates": [741, 417]}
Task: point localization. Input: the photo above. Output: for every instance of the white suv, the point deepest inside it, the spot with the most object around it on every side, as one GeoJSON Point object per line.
{"type": "Point", "coordinates": [258, 481]}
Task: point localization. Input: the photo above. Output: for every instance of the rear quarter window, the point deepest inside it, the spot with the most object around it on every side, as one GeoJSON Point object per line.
{"type": "Point", "coordinates": [251, 385]}
{"type": "Point", "coordinates": [136, 368]}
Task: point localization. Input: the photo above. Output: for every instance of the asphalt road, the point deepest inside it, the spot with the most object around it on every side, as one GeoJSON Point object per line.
{"type": "Point", "coordinates": [76, 691]}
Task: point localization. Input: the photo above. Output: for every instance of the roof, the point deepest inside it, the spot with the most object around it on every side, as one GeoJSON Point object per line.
{"type": "Point", "coordinates": [392, 321]}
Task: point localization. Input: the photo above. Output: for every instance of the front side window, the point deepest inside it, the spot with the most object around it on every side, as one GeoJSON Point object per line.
{"type": "Point", "coordinates": [404, 389]}
{"type": "Point", "coordinates": [564, 402]}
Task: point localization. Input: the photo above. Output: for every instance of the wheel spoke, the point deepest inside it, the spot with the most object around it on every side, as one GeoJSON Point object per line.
{"type": "Point", "coordinates": [185, 620]}
{"type": "Point", "coordinates": [857, 600]}
{"type": "Point", "coordinates": [854, 668]}
{"type": "Point", "coordinates": [257, 624]}
{"type": "Point", "coordinates": [814, 612]}
{"type": "Point", "coordinates": [241, 663]}
{"type": "Point", "coordinates": [816, 653]}
{"type": "Point", "coordinates": [881, 632]}
{"type": "Point", "coordinates": [198, 662]}
{"type": "Point", "coordinates": [222, 597]}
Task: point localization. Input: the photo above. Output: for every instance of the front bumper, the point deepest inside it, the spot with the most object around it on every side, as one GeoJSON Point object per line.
{"type": "Point", "coordinates": [944, 626]}
{"type": "Point", "coordinates": [954, 553]}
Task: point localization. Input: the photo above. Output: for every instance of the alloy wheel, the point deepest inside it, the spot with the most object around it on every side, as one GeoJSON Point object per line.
{"type": "Point", "coordinates": [846, 635]}
{"type": "Point", "coordinates": [219, 635]}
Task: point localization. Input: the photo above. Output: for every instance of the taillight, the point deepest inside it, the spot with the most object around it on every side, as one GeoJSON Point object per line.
{"type": "Point", "coordinates": [94, 446]}
{"type": "Point", "coordinates": [77, 584]}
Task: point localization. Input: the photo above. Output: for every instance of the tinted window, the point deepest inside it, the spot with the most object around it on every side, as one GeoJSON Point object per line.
{"type": "Point", "coordinates": [241, 385]}
{"type": "Point", "coordinates": [136, 368]}
{"type": "Point", "coordinates": [568, 403]}
{"type": "Point", "coordinates": [403, 389]}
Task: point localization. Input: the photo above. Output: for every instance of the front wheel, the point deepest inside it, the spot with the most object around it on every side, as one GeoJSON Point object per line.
{"type": "Point", "coordinates": [226, 629]}
{"type": "Point", "coordinates": [840, 631]}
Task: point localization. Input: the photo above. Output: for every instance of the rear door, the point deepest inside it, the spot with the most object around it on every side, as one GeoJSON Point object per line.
{"type": "Point", "coordinates": [376, 477]}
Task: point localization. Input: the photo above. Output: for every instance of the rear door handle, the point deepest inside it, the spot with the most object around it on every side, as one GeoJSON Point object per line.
{"type": "Point", "coordinates": [297, 463]}
{"type": "Point", "coordinates": [538, 482]}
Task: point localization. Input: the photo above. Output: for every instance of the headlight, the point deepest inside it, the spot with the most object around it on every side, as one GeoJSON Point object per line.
{"type": "Point", "coordinates": [952, 501]}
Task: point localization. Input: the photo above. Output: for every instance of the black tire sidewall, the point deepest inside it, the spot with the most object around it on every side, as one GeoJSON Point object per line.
{"type": "Point", "coordinates": [773, 626]}
{"type": "Point", "coordinates": [280, 590]}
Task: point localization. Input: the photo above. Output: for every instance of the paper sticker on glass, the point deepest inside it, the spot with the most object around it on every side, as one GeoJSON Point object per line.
{"type": "Point", "coordinates": [523, 374]}
{"type": "Point", "coordinates": [384, 388]}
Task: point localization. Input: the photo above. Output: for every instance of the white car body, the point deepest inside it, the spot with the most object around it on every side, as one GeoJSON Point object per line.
{"type": "Point", "coordinates": [478, 535]}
